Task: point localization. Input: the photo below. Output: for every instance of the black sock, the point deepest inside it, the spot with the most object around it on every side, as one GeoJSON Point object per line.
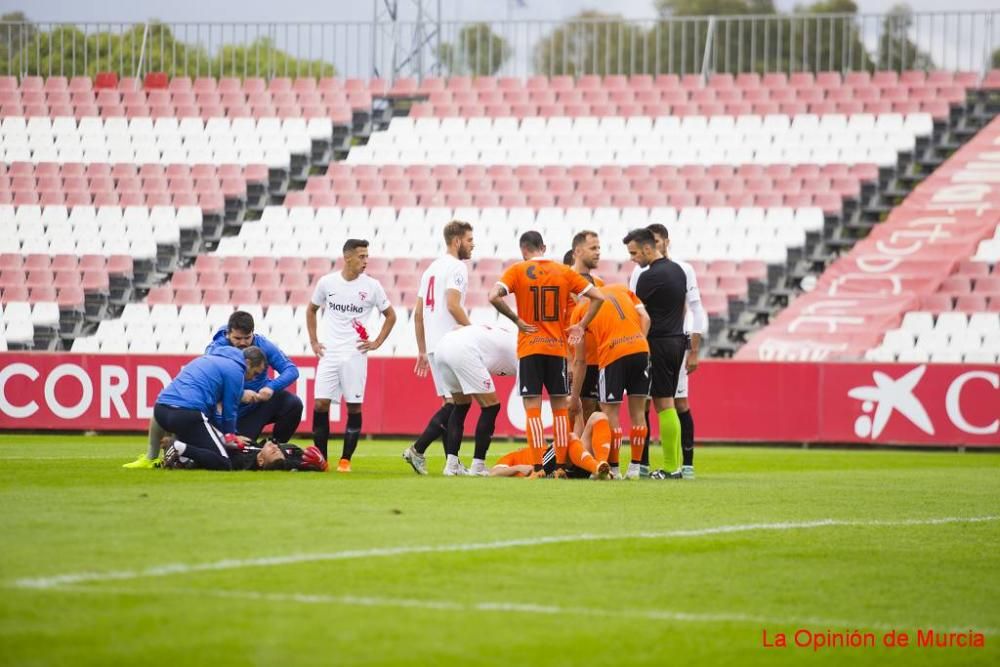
{"type": "Point", "coordinates": [456, 427]}
{"type": "Point", "coordinates": [436, 428]}
{"type": "Point", "coordinates": [645, 446]}
{"type": "Point", "coordinates": [687, 437]}
{"type": "Point", "coordinates": [485, 428]}
{"type": "Point", "coordinates": [351, 434]}
{"type": "Point", "coordinates": [321, 430]}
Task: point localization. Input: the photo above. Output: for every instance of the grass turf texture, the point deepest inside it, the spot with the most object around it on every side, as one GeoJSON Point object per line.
{"type": "Point", "coordinates": [69, 507]}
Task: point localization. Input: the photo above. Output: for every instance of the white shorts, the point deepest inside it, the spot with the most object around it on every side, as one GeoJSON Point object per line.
{"type": "Point", "coordinates": [682, 380]}
{"type": "Point", "coordinates": [463, 372]}
{"type": "Point", "coordinates": [342, 377]}
{"type": "Point", "coordinates": [439, 386]}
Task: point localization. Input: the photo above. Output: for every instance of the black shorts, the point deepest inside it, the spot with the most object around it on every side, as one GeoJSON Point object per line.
{"type": "Point", "coordinates": [589, 389]}
{"type": "Point", "coordinates": [628, 375]}
{"type": "Point", "coordinates": [536, 371]}
{"type": "Point", "coordinates": [666, 355]}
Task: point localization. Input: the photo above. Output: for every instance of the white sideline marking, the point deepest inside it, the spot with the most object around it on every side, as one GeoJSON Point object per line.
{"type": "Point", "coordinates": [521, 608]}
{"type": "Point", "coordinates": [291, 559]}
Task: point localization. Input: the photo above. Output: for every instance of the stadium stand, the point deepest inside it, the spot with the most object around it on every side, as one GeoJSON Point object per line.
{"type": "Point", "coordinates": [763, 182]}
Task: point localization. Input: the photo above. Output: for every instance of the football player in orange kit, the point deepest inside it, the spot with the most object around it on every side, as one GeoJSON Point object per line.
{"type": "Point", "coordinates": [588, 454]}
{"type": "Point", "coordinates": [542, 289]}
{"type": "Point", "coordinates": [619, 331]}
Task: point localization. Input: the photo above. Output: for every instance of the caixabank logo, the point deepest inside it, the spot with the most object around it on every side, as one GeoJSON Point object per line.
{"type": "Point", "coordinates": [928, 403]}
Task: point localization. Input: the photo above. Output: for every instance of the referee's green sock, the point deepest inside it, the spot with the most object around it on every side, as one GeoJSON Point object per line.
{"type": "Point", "coordinates": [670, 439]}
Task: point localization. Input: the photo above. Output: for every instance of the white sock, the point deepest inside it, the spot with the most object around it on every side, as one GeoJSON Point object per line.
{"type": "Point", "coordinates": [478, 463]}
{"type": "Point", "coordinates": [180, 447]}
{"type": "Point", "coordinates": [454, 460]}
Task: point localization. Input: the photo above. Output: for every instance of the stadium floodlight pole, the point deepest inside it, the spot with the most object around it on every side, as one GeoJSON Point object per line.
{"type": "Point", "coordinates": [142, 54]}
{"type": "Point", "coordinates": [706, 54]}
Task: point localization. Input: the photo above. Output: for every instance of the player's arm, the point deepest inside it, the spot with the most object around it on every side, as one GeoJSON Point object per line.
{"type": "Point", "coordinates": [579, 374]}
{"type": "Point", "coordinates": [287, 371]}
{"type": "Point", "coordinates": [644, 321]}
{"type": "Point", "coordinates": [387, 324]}
{"type": "Point", "coordinates": [422, 365]}
{"type": "Point", "coordinates": [497, 295]}
{"type": "Point", "coordinates": [232, 391]}
{"type": "Point", "coordinates": [596, 301]}
{"type": "Point", "coordinates": [454, 299]}
{"type": "Point", "coordinates": [699, 319]}
{"type": "Point", "coordinates": [314, 343]}
{"type": "Point", "coordinates": [511, 471]}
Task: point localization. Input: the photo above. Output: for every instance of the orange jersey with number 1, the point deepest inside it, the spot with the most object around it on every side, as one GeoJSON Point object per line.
{"type": "Point", "coordinates": [541, 288]}
{"type": "Point", "coordinates": [617, 327]}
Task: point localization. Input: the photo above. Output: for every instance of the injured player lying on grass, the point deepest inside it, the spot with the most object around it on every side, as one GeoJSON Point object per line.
{"type": "Point", "coordinates": [588, 455]}
{"type": "Point", "coordinates": [267, 455]}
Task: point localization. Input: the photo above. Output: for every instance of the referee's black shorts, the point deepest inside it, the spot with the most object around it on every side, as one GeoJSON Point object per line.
{"type": "Point", "coordinates": [536, 371]}
{"type": "Point", "coordinates": [666, 355]}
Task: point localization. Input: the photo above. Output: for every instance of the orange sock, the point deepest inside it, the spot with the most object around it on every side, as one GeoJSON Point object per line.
{"type": "Point", "coordinates": [580, 457]}
{"type": "Point", "coordinates": [637, 442]}
{"type": "Point", "coordinates": [560, 429]}
{"type": "Point", "coordinates": [616, 445]}
{"type": "Point", "coordinates": [601, 440]}
{"type": "Point", "coordinates": [536, 435]}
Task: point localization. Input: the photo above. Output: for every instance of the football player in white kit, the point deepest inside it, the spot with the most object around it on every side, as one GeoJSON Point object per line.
{"type": "Point", "coordinates": [695, 323]}
{"type": "Point", "coordinates": [467, 358]}
{"type": "Point", "coordinates": [347, 298]}
{"type": "Point", "coordinates": [441, 308]}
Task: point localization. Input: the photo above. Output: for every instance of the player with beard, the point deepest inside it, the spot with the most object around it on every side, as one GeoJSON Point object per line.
{"type": "Point", "coordinates": [440, 309]}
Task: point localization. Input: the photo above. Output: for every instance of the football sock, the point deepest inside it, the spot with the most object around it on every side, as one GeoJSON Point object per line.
{"type": "Point", "coordinates": [321, 431]}
{"type": "Point", "coordinates": [436, 428]}
{"type": "Point", "coordinates": [485, 428]}
{"type": "Point", "coordinates": [645, 444]}
{"type": "Point", "coordinates": [456, 427]}
{"type": "Point", "coordinates": [670, 439]}
{"type": "Point", "coordinates": [637, 442]}
{"type": "Point", "coordinates": [351, 434]}
{"type": "Point", "coordinates": [536, 436]}
{"type": "Point", "coordinates": [600, 440]}
{"type": "Point", "coordinates": [616, 445]}
{"type": "Point", "coordinates": [560, 432]}
{"type": "Point", "coordinates": [580, 457]}
{"type": "Point", "coordinates": [687, 437]}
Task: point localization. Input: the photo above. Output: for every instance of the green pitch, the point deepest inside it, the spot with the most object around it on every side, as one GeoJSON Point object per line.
{"type": "Point", "coordinates": [105, 566]}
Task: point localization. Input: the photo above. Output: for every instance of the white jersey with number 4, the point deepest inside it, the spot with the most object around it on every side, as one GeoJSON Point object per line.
{"type": "Point", "coordinates": [443, 274]}
{"type": "Point", "coordinates": [346, 306]}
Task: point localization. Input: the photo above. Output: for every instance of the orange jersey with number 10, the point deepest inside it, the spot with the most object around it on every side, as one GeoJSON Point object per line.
{"type": "Point", "coordinates": [541, 288]}
{"type": "Point", "coordinates": [617, 327]}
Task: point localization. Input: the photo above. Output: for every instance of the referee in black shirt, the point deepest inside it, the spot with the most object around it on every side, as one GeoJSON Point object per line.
{"type": "Point", "coordinates": [663, 290]}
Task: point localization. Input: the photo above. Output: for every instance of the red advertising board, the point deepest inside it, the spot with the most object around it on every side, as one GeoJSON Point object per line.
{"type": "Point", "coordinates": [734, 401]}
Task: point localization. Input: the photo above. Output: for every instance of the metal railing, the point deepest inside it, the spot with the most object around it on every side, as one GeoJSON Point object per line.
{"type": "Point", "coordinates": [679, 45]}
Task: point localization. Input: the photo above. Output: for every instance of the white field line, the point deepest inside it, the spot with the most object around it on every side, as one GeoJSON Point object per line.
{"type": "Point", "coordinates": [814, 624]}
{"type": "Point", "coordinates": [383, 552]}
